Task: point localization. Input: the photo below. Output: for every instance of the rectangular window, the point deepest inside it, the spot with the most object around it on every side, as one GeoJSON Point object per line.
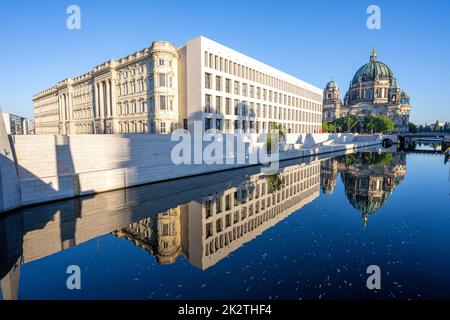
{"type": "Point", "coordinates": [208, 103]}
{"type": "Point", "coordinates": [236, 87]}
{"type": "Point", "coordinates": [207, 124]}
{"type": "Point", "coordinates": [162, 102]}
{"type": "Point", "coordinates": [208, 230]}
{"type": "Point", "coordinates": [244, 89]}
{"type": "Point", "coordinates": [228, 106]}
{"type": "Point", "coordinates": [218, 83]}
{"type": "Point", "coordinates": [218, 205]}
{"type": "Point", "coordinates": [228, 86]}
{"type": "Point", "coordinates": [218, 225]}
{"type": "Point", "coordinates": [161, 62]}
{"type": "Point", "coordinates": [227, 126]}
{"type": "Point", "coordinates": [163, 127]}
{"type": "Point", "coordinates": [219, 105]}
{"type": "Point", "coordinates": [219, 124]}
{"type": "Point", "coordinates": [162, 79]}
{"type": "Point", "coordinates": [208, 80]}
{"type": "Point", "coordinates": [236, 125]}
{"type": "Point", "coordinates": [227, 220]}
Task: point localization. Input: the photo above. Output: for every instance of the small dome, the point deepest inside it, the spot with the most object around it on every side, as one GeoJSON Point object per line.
{"type": "Point", "coordinates": [332, 85]}
{"type": "Point", "coordinates": [372, 71]}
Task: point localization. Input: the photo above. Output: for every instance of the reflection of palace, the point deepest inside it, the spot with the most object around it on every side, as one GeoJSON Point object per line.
{"type": "Point", "coordinates": [369, 178]}
{"type": "Point", "coordinates": [203, 218]}
{"type": "Point", "coordinates": [209, 229]}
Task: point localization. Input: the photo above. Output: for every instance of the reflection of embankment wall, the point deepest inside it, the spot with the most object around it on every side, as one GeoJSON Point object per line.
{"type": "Point", "coordinates": [57, 167]}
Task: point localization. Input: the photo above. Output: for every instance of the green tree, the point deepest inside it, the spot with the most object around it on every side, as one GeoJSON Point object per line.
{"type": "Point", "coordinates": [370, 124]}
{"type": "Point", "coordinates": [376, 159]}
{"type": "Point", "coordinates": [274, 183]}
{"type": "Point", "coordinates": [412, 128]}
{"type": "Point", "coordinates": [346, 124]}
{"type": "Point", "coordinates": [378, 124]}
{"type": "Point", "coordinates": [328, 127]}
{"type": "Point", "coordinates": [276, 134]}
{"type": "Point", "coordinates": [385, 124]}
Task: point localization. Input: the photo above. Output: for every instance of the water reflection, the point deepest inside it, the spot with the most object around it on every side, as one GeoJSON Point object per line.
{"type": "Point", "coordinates": [202, 218]}
{"type": "Point", "coordinates": [369, 178]}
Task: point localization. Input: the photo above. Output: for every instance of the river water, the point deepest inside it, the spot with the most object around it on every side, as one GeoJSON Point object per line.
{"type": "Point", "coordinates": [309, 232]}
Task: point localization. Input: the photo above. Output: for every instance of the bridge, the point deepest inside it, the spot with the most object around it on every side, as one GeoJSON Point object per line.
{"type": "Point", "coordinates": [427, 135]}
{"type": "Point", "coordinates": [409, 140]}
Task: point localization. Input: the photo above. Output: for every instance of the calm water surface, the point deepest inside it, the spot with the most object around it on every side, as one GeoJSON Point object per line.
{"type": "Point", "coordinates": [309, 232]}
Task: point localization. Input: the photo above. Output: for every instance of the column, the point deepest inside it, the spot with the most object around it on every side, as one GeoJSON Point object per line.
{"type": "Point", "coordinates": [94, 103]}
{"type": "Point", "coordinates": [108, 98]}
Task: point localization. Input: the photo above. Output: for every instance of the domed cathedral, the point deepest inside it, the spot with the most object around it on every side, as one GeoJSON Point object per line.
{"type": "Point", "coordinates": [373, 91]}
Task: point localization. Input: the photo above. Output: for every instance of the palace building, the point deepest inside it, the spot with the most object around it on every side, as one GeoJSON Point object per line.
{"type": "Point", "coordinates": [164, 87]}
{"type": "Point", "coordinates": [373, 90]}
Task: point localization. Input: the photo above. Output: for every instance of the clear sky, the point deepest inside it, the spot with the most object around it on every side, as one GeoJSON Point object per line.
{"type": "Point", "coordinates": [312, 40]}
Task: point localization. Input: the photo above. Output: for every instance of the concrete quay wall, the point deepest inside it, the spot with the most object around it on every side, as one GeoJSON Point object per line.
{"type": "Point", "coordinates": [51, 167]}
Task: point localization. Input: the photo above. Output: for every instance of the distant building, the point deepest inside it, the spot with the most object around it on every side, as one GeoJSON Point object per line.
{"type": "Point", "coordinates": [438, 125]}
{"type": "Point", "coordinates": [373, 91]}
{"type": "Point", "coordinates": [17, 125]}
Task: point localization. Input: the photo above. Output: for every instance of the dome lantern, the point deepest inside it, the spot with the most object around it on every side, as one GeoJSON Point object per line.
{"type": "Point", "coordinates": [373, 57]}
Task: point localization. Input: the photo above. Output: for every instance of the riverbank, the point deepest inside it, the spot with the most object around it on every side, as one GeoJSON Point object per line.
{"type": "Point", "coordinates": [42, 168]}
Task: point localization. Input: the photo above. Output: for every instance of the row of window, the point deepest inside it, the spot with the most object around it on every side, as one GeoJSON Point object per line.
{"type": "Point", "coordinates": [250, 126]}
{"type": "Point", "coordinates": [253, 92]}
{"type": "Point", "coordinates": [131, 88]}
{"type": "Point", "coordinates": [227, 66]}
{"type": "Point", "coordinates": [223, 239]}
{"type": "Point", "coordinates": [146, 127]}
{"type": "Point", "coordinates": [244, 109]}
{"type": "Point", "coordinates": [132, 108]}
{"type": "Point", "coordinates": [124, 74]}
{"type": "Point", "coordinates": [256, 207]}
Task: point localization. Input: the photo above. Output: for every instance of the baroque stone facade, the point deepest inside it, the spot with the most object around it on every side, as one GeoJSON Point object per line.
{"type": "Point", "coordinates": [373, 90]}
{"type": "Point", "coordinates": [136, 94]}
{"type": "Point", "coordinates": [164, 87]}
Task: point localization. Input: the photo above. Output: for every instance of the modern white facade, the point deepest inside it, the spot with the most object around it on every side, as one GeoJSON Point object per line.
{"type": "Point", "coordinates": [17, 125]}
{"type": "Point", "coordinates": [162, 88]}
{"type": "Point", "coordinates": [230, 91]}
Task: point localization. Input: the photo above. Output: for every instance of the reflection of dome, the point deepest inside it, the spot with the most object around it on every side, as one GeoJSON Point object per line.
{"type": "Point", "coordinates": [365, 204]}
{"type": "Point", "coordinates": [372, 71]}
{"type": "Point", "coordinates": [331, 85]}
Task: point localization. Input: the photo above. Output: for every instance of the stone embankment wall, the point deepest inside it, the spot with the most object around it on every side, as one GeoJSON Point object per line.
{"type": "Point", "coordinates": [49, 167]}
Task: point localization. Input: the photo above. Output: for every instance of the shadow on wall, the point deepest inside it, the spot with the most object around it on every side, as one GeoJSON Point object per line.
{"type": "Point", "coordinates": [13, 228]}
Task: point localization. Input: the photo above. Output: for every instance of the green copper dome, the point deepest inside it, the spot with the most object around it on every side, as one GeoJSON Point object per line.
{"type": "Point", "coordinates": [332, 84]}
{"type": "Point", "coordinates": [372, 71]}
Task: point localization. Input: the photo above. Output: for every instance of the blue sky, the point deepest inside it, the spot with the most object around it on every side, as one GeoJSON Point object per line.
{"type": "Point", "coordinates": [312, 40]}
